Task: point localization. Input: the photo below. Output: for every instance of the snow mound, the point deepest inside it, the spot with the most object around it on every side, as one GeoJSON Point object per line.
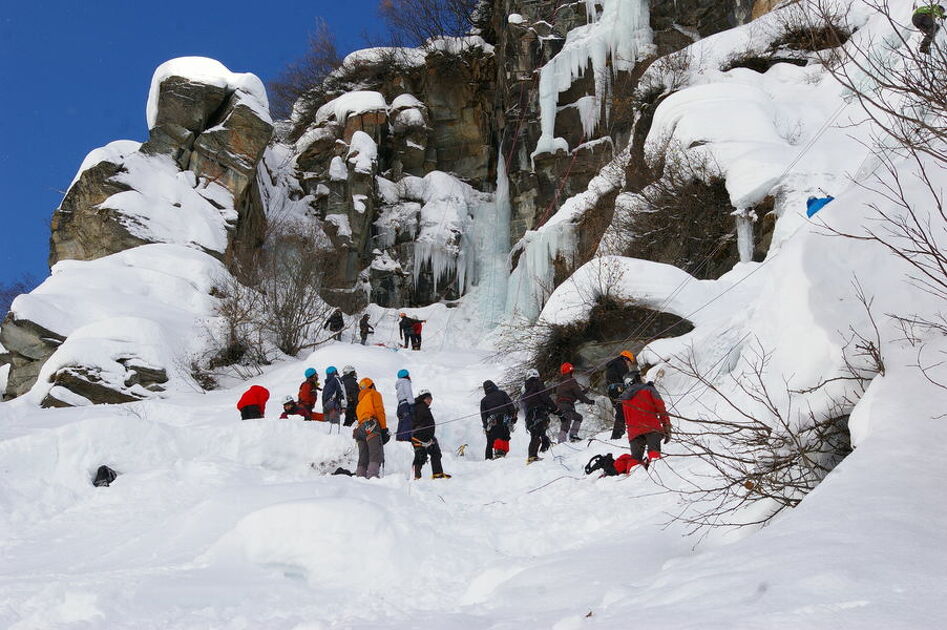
{"type": "Point", "coordinates": [351, 104]}
{"type": "Point", "coordinates": [114, 152]}
{"type": "Point", "coordinates": [209, 72]}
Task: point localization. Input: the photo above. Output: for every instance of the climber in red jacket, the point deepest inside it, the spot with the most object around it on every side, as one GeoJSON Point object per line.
{"type": "Point", "coordinates": [646, 419]}
{"type": "Point", "coordinates": [252, 404]}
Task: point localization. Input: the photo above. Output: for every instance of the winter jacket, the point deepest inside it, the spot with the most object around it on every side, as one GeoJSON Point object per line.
{"type": "Point", "coordinates": [568, 392]}
{"type": "Point", "coordinates": [536, 402]}
{"type": "Point", "coordinates": [364, 327]}
{"type": "Point", "coordinates": [423, 421]}
{"type": "Point", "coordinates": [335, 322]}
{"type": "Point", "coordinates": [334, 390]}
{"type": "Point", "coordinates": [370, 405]}
{"type": "Point", "coordinates": [350, 383]}
{"type": "Point", "coordinates": [309, 392]}
{"type": "Point", "coordinates": [644, 410]}
{"type": "Point", "coordinates": [495, 402]}
{"type": "Point", "coordinates": [403, 390]}
{"type": "Point", "coordinates": [297, 410]}
{"type": "Point", "coordinates": [416, 329]}
{"type": "Point", "coordinates": [256, 395]}
{"type": "Point", "coordinates": [615, 371]}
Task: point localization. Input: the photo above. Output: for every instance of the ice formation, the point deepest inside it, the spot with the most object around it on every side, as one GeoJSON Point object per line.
{"type": "Point", "coordinates": [613, 40]}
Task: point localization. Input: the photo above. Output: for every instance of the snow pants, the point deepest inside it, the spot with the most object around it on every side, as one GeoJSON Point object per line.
{"type": "Point", "coordinates": [652, 440]}
{"type": "Point", "coordinates": [421, 453]}
{"type": "Point", "coordinates": [371, 453]}
{"type": "Point", "coordinates": [364, 337]}
{"type": "Point", "coordinates": [614, 392]}
{"type": "Point", "coordinates": [537, 435]}
{"type": "Point", "coordinates": [405, 421]}
{"type": "Point", "coordinates": [498, 437]}
{"type": "Point", "coordinates": [332, 412]}
{"type": "Point", "coordinates": [569, 422]}
{"type": "Point", "coordinates": [349, 416]}
{"type": "Point", "coordinates": [250, 412]}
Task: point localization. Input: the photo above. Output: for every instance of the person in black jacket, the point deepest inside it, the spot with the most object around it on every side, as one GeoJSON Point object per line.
{"type": "Point", "coordinates": [423, 440]}
{"type": "Point", "coordinates": [335, 323]}
{"type": "Point", "coordinates": [333, 396]}
{"type": "Point", "coordinates": [498, 415]}
{"type": "Point", "coordinates": [615, 371]}
{"type": "Point", "coordinates": [538, 405]}
{"type": "Point", "coordinates": [350, 383]}
{"type": "Point", "coordinates": [365, 328]}
{"type": "Point", "coordinates": [568, 393]}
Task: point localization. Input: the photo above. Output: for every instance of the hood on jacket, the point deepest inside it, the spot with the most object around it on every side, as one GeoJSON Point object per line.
{"type": "Point", "coordinates": [489, 386]}
{"type": "Point", "coordinates": [366, 383]}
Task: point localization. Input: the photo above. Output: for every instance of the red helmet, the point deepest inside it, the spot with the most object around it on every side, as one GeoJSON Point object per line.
{"type": "Point", "coordinates": [566, 368]}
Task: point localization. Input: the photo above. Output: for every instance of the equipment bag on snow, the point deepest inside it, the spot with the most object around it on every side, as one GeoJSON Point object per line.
{"type": "Point", "coordinates": [605, 463]}
{"type": "Point", "coordinates": [104, 476]}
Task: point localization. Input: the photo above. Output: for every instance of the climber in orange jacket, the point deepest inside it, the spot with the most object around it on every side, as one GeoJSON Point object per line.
{"type": "Point", "coordinates": [371, 433]}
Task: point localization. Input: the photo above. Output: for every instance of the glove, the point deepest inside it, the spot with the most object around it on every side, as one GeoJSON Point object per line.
{"type": "Point", "coordinates": [385, 436]}
{"type": "Point", "coordinates": [667, 435]}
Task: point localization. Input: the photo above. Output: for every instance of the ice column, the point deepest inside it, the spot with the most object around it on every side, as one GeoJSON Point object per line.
{"type": "Point", "coordinates": [745, 218]}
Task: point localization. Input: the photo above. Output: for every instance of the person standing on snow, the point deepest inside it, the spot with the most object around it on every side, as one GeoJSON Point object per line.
{"type": "Point", "coordinates": [372, 431]}
{"type": "Point", "coordinates": [350, 383]}
{"type": "Point", "coordinates": [646, 418]}
{"type": "Point", "coordinates": [615, 371]}
{"type": "Point", "coordinates": [252, 405]}
{"type": "Point", "coordinates": [364, 328]}
{"type": "Point", "coordinates": [406, 328]}
{"type": "Point", "coordinates": [405, 412]}
{"type": "Point", "coordinates": [498, 415]}
{"type": "Point", "coordinates": [537, 405]}
{"type": "Point", "coordinates": [333, 396]}
{"type": "Point", "coordinates": [291, 408]}
{"type": "Point", "coordinates": [925, 19]}
{"type": "Point", "coordinates": [423, 440]}
{"type": "Point", "coordinates": [568, 393]}
{"type": "Point", "coordinates": [335, 324]}
{"type": "Point", "coordinates": [309, 390]}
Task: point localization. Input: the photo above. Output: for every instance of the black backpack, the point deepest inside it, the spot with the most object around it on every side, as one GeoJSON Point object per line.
{"type": "Point", "coordinates": [605, 463]}
{"type": "Point", "coordinates": [104, 476]}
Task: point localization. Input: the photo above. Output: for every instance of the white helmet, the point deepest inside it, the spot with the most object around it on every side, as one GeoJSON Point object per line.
{"type": "Point", "coordinates": [425, 393]}
{"type": "Point", "coordinates": [532, 373]}
{"type": "Point", "coordinates": [348, 369]}
{"type": "Point", "coordinates": [288, 399]}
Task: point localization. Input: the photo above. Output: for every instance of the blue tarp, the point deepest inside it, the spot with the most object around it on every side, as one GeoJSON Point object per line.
{"type": "Point", "coordinates": [816, 203]}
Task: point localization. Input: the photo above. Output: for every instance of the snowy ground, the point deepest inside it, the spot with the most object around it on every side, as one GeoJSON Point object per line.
{"type": "Point", "coordinates": [220, 523]}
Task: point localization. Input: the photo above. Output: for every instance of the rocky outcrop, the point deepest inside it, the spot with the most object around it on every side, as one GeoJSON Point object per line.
{"type": "Point", "coordinates": [215, 133]}
{"type": "Point", "coordinates": [28, 347]}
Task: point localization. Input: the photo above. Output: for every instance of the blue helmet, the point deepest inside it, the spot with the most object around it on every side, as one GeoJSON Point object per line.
{"type": "Point", "coordinates": [331, 370]}
{"type": "Point", "coordinates": [402, 374]}
{"type": "Point", "coordinates": [310, 372]}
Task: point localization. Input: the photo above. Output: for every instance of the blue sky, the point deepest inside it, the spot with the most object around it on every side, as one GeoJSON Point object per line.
{"type": "Point", "coordinates": [75, 76]}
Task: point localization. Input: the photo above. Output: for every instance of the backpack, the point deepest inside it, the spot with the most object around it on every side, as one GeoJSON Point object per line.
{"type": "Point", "coordinates": [104, 476]}
{"type": "Point", "coordinates": [605, 463]}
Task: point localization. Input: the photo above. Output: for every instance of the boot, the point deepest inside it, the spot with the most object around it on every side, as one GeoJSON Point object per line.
{"type": "Point", "coordinates": [574, 438]}
{"type": "Point", "coordinates": [497, 454]}
{"type": "Point", "coordinates": [417, 472]}
{"type": "Point", "coordinates": [530, 460]}
{"type": "Point", "coordinates": [563, 436]}
{"type": "Point", "coordinates": [440, 476]}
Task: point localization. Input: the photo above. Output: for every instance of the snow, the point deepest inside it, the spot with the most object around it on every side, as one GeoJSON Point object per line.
{"type": "Point", "coordinates": [167, 205]}
{"type": "Point", "coordinates": [214, 522]}
{"type": "Point", "coordinates": [209, 72]}
{"type": "Point", "coordinates": [363, 152]}
{"type": "Point", "coordinates": [619, 34]}
{"type": "Point", "coordinates": [337, 170]}
{"type": "Point", "coordinates": [341, 223]}
{"type": "Point", "coordinates": [406, 101]}
{"type": "Point", "coordinates": [351, 104]}
{"type": "Point", "coordinates": [137, 303]}
{"type": "Point", "coordinates": [515, 18]}
{"type": "Point", "coordinates": [114, 152]}
{"type": "Point", "coordinates": [410, 57]}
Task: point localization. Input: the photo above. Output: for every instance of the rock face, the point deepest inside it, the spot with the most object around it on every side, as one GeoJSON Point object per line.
{"type": "Point", "coordinates": [193, 183]}
{"type": "Point", "coordinates": [207, 130]}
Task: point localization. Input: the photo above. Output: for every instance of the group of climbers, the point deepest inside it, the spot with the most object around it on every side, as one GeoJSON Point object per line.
{"type": "Point", "coordinates": [639, 411]}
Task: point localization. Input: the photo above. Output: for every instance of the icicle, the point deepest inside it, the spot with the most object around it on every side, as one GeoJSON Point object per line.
{"type": "Point", "coordinates": [745, 218]}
